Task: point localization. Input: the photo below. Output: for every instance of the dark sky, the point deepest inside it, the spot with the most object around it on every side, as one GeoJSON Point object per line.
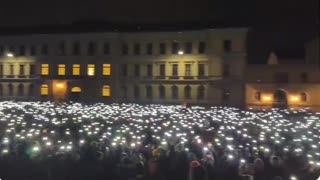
{"type": "Point", "coordinates": [278, 24]}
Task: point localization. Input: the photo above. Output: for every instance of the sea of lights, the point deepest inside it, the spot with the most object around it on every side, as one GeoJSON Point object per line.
{"type": "Point", "coordinates": [66, 127]}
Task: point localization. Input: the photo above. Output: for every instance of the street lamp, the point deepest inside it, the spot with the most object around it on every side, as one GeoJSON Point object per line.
{"type": "Point", "coordinates": [180, 52]}
{"type": "Point", "coordinates": [10, 54]}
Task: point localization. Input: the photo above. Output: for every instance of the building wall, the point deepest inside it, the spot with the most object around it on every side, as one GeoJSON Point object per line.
{"type": "Point", "coordinates": [216, 59]}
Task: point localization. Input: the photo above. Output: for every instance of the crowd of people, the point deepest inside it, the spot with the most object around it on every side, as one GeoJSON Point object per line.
{"type": "Point", "coordinates": [46, 140]}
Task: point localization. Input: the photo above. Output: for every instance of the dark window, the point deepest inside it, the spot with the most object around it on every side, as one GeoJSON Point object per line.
{"type": "Point", "coordinates": [162, 92]}
{"type": "Point", "coordinates": [226, 70]}
{"type": "Point", "coordinates": [11, 69]}
{"type": "Point", "coordinates": [200, 92]}
{"type": "Point", "coordinates": [227, 45]}
{"type": "Point", "coordinates": [20, 90]}
{"type": "Point", "coordinates": [106, 48]}
{"type": "Point", "coordinates": [10, 88]}
{"type": "Point", "coordinates": [149, 70]}
{"type": "Point", "coordinates": [125, 49]}
{"type": "Point", "coordinates": [226, 96]}
{"type": "Point", "coordinates": [31, 90]}
{"type": "Point", "coordinates": [187, 92]}
{"type": "Point", "coordinates": [149, 48]}
{"type": "Point", "coordinates": [136, 70]}
{"type": "Point", "coordinates": [162, 68]}
{"type": "Point", "coordinates": [33, 50]}
{"type": "Point", "coordinates": [32, 69]}
{"type": "Point", "coordinates": [91, 48]}
{"type": "Point", "coordinates": [136, 49]}
{"type": "Point", "coordinates": [304, 97]}
{"type": "Point", "coordinates": [162, 48]}
{"type": "Point", "coordinates": [257, 96]}
{"type": "Point", "coordinates": [187, 69]}
{"type": "Point", "coordinates": [175, 48]}
{"type": "Point", "coordinates": [174, 92]}
{"type": "Point", "coordinates": [12, 49]}
{"type": "Point", "coordinates": [124, 92]}
{"type": "Point", "coordinates": [76, 48]}
{"type": "Point", "coordinates": [124, 70]}
{"type": "Point", "coordinates": [1, 70]}
{"type": "Point", "coordinates": [136, 92]}
{"type": "Point", "coordinates": [201, 70]}
{"type": "Point", "coordinates": [22, 50]}
{"type": "Point", "coordinates": [304, 77]}
{"type": "Point", "coordinates": [1, 50]}
{"type": "Point", "coordinates": [21, 69]}
{"type": "Point", "coordinates": [174, 69]}
{"type": "Point", "coordinates": [44, 49]}
{"type": "Point", "coordinates": [281, 77]}
{"type": "Point", "coordinates": [202, 47]}
{"type": "Point", "coordinates": [62, 50]}
{"type": "Point", "coordinates": [149, 92]}
{"type": "Point", "coordinates": [188, 48]}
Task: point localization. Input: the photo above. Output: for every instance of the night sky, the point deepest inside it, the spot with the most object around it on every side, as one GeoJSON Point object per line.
{"type": "Point", "coordinates": [280, 25]}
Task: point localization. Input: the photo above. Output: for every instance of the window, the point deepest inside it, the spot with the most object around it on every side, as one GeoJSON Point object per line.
{"type": "Point", "coordinates": [136, 92]}
{"type": "Point", "coordinates": [303, 97]}
{"type": "Point", "coordinates": [162, 68]}
{"type": "Point", "coordinates": [188, 48]}
{"type": "Point", "coordinates": [11, 70]}
{"type": "Point", "coordinates": [281, 77]}
{"type": "Point", "coordinates": [21, 70]}
{"type": "Point", "coordinates": [187, 92]}
{"type": "Point", "coordinates": [149, 70]}
{"type": "Point", "coordinates": [187, 69]}
{"type": "Point", "coordinates": [136, 49]}
{"type": "Point", "coordinates": [1, 70]}
{"type": "Point", "coordinates": [76, 48]}
{"type": "Point", "coordinates": [106, 48]}
{"type": "Point", "coordinates": [76, 69]}
{"type": "Point", "coordinates": [149, 91]}
{"type": "Point", "coordinates": [136, 70]}
{"type": "Point", "coordinates": [304, 77]}
{"type": "Point", "coordinates": [22, 50]}
{"type": "Point", "coordinates": [32, 69]}
{"type": "Point", "coordinates": [106, 69]}
{"type": "Point", "coordinates": [149, 48]}
{"type": "Point", "coordinates": [44, 49]}
{"type": "Point", "coordinates": [200, 94]}
{"type": "Point", "coordinates": [12, 49]}
{"type": "Point", "coordinates": [91, 70]}
{"type": "Point", "coordinates": [61, 48]}
{"type": "Point", "coordinates": [162, 48]}
{"type": "Point", "coordinates": [91, 48]}
{"type": "Point", "coordinates": [61, 69]}
{"type": "Point", "coordinates": [124, 70]}
{"type": "Point", "coordinates": [124, 92]}
{"type": "Point", "coordinates": [106, 90]}
{"type": "Point", "coordinates": [226, 70]}
{"type": "Point", "coordinates": [174, 69]}
{"type": "Point", "coordinates": [125, 49]}
{"type": "Point", "coordinates": [226, 96]}
{"type": "Point", "coordinates": [10, 88]}
{"type": "Point", "coordinates": [20, 90]}
{"type": "Point", "coordinates": [174, 92]}
{"type": "Point", "coordinates": [31, 90]}
{"type": "Point", "coordinates": [44, 90]}
{"type": "Point", "coordinates": [202, 47]}
{"type": "Point", "coordinates": [201, 70]}
{"type": "Point", "coordinates": [162, 92]}
{"type": "Point", "coordinates": [257, 96]}
{"type": "Point", "coordinates": [175, 48]}
{"type": "Point", "coordinates": [227, 45]}
{"type": "Point", "coordinates": [33, 50]}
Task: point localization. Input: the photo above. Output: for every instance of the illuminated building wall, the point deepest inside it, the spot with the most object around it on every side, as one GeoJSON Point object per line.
{"type": "Point", "coordinates": [201, 66]}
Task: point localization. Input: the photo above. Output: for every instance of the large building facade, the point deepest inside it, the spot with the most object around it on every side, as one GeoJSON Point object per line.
{"type": "Point", "coordinates": [200, 66]}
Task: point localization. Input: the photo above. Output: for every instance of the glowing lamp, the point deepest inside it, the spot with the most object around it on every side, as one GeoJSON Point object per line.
{"type": "Point", "coordinates": [267, 98]}
{"type": "Point", "coordinates": [59, 85]}
{"type": "Point", "coordinates": [10, 55]}
{"type": "Point", "coordinates": [180, 52]}
{"type": "Point", "coordinates": [295, 98]}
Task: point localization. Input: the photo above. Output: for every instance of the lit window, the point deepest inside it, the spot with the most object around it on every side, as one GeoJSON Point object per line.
{"type": "Point", "coordinates": [44, 89]}
{"type": "Point", "coordinates": [61, 69]}
{"type": "Point", "coordinates": [44, 69]}
{"type": "Point", "coordinates": [106, 90]}
{"type": "Point", "coordinates": [76, 69]}
{"type": "Point", "coordinates": [91, 71]}
{"type": "Point", "coordinates": [106, 69]}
